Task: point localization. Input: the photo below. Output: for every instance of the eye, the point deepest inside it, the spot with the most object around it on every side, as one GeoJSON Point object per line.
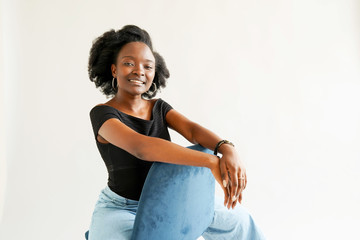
{"type": "Point", "coordinates": [128, 64]}
{"type": "Point", "coordinates": [149, 67]}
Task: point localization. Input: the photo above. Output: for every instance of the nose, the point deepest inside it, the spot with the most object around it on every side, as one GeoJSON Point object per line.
{"type": "Point", "coordinates": [138, 70]}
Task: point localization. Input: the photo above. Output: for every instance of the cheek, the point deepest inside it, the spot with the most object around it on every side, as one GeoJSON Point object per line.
{"type": "Point", "coordinates": [122, 71]}
{"type": "Point", "coordinates": [150, 76]}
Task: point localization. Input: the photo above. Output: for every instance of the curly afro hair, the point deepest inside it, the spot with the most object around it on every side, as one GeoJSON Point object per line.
{"type": "Point", "coordinates": [105, 50]}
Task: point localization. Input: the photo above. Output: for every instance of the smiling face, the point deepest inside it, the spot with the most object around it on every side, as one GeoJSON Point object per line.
{"type": "Point", "coordinates": [134, 68]}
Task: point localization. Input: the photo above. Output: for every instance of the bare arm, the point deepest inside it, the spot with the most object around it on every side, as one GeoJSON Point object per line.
{"type": "Point", "coordinates": [230, 163]}
{"type": "Point", "coordinates": [151, 148]}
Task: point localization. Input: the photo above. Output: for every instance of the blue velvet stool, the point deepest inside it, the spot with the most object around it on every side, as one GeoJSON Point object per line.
{"type": "Point", "coordinates": [177, 202]}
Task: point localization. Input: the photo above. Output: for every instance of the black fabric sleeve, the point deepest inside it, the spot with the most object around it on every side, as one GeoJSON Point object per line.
{"type": "Point", "coordinates": [165, 108]}
{"type": "Point", "coordinates": [100, 114]}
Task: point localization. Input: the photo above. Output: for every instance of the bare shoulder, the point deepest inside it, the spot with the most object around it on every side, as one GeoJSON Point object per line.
{"type": "Point", "coordinates": [109, 103]}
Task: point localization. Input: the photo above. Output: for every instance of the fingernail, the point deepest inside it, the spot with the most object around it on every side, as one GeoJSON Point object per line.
{"type": "Point", "coordinates": [224, 183]}
{"type": "Point", "coordinates": [234, 198]}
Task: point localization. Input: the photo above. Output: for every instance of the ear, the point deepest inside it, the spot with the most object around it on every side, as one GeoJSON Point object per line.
{"type": "Point", "coordinates": [113, 70]}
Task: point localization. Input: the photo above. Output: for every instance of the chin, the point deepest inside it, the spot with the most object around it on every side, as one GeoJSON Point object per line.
{"type": "Point", "coordinates": [136, 93]}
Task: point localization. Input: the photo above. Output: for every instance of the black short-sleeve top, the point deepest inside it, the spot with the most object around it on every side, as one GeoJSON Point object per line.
{"type": "Point", "coordinates": [126, 173]}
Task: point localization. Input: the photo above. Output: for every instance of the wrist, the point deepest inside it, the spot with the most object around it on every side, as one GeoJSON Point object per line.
{"type": "Point", "coordinates": [213, 162]}
{"type": "Point", "coordinates": [226, 149]}
{"type": "Point", "coordinates": [223, 147]}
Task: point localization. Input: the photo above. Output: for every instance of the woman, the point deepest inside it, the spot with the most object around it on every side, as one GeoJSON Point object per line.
{"type": "Point", "coordinates": [131, 132]}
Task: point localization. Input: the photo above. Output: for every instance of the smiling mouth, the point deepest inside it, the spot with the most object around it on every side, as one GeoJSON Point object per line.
{"type": "Point", "coordinates": [136, 81]}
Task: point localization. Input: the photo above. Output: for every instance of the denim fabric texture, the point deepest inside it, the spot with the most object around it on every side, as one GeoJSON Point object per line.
{"type": "Point", "coordinates": [176, 201]}
{"type": "Point", "coordinates": [167, 211]}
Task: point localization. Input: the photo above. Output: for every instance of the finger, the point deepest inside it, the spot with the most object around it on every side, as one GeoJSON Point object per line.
{"type": "Point", "coordinates": [224, 173]}
{"type": "Point", "coordinates": [240, 189]}
{"type": "Point", "coordinates": [240, 198]}
{"type": "Point", "coordinates": [242, 181]}
{"type": "Point", "coordinates": [229, 199]}
{"type": "Point", "coordinates": [226, 195]}
{"type": "Point", "coordinates": [245, 180]}
{"type": "Point", "coordinates": [234, 185]}
{"type": "Point", "coordinates": [233, 204]}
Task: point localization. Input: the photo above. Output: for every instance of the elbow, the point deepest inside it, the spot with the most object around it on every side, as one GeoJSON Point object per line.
{"type": "Point", "coordinates": [192, 133]}
{"type": "Point", "coordinates": [142, 151]}
{"type": "Point", "coordinates": [151, 149]}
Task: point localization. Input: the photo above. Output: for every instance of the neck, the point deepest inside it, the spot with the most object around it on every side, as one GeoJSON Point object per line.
{"type": "Point", "coordinates": [129, 102]}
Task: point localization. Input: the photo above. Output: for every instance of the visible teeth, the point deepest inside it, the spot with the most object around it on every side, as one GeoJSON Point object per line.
{"type": "Point", "coordinates": [136, 81]}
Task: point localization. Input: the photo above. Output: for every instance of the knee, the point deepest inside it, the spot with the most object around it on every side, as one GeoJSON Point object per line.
{"type": "Point", "coordinates": [245, 224]}
{"type": "Point", "coordinates": [243, 217]}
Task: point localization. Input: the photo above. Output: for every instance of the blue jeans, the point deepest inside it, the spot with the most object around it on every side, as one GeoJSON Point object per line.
{"type": "Point", "coordinates": [114, 216]}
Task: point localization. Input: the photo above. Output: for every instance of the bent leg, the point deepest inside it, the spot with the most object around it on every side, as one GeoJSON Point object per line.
{"type": "Point", "coordinates": [113, 217]}
{"type": "Point", "coordinates": [232, 224]}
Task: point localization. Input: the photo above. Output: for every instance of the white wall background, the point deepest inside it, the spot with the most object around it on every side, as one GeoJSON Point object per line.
{"type": "Point", "coordinates": [279, 78]}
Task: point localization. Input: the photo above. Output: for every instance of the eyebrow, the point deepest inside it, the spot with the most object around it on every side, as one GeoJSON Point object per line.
{"type": "Point", "coordinates": [147, 60]}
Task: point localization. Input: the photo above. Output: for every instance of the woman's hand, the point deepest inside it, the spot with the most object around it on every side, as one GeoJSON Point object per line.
{"type": "Point", "coordinates": [233, 174]}
{"type": "Point", "coordinates": [215, 169]}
